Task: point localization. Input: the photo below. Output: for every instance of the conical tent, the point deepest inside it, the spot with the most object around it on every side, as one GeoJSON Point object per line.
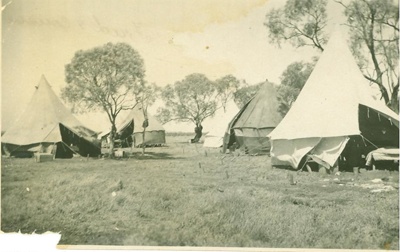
{"type": "Point", "coordinates": [48, 126]}
{"type": "Point", "coordinates": [217, 125]}
{"type": "Point", "coordinates": [336, 103]}
{"type": "Point", "coordinates": [250, 127]}
{"type": "Point", "coordinates": [130, 130]}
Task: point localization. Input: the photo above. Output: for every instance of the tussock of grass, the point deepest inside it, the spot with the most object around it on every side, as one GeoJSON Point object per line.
{"type": "Point", "coordinates": [172, 201]}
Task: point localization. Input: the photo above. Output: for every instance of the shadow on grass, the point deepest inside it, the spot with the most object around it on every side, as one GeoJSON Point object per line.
{"type": "Point", "coordinates": [285, 167]}
{"type": "Point", "coordinates": [153, 156]}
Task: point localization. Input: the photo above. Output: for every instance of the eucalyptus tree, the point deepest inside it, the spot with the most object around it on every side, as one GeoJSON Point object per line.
{"type": "Point", "coordinates": [192, 99]}
{"type": "Point", "coordinates": [105, 78]}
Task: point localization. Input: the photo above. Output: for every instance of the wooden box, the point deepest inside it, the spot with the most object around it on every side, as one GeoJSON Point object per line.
{"type": "Point", "coordinates": [119, 153]}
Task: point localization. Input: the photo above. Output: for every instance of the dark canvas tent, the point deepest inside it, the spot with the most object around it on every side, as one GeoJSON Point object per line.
{"type": "Point", "coordinates": [336, 103]}
{"type": "Point", "coordinates": [47, 126]}
{"type": "Point", "coordinates": [251, 125]}
{"type": "Point", "coordinates": [130, 130]}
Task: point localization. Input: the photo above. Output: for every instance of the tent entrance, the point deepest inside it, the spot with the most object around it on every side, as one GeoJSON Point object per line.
{"type": "Point", "coordinates": [130, 138]}
{"type": "Point", "coordinates": [77, 143]}
{"type": "Point", "coordinates": [125, 135]}
{"type": "Point", "coordinates": [17, 150]}
{"type": "Point", "coordinates": [60, 150]}
{"type": "Point", "coordinates": [63, 151]}
{"type": "Point", "coordinates": [378, 128]}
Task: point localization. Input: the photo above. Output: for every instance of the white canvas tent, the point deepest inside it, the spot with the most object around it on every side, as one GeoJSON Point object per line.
{"type": "Point", "coordinates": [48, 126]}
{"type": "Point", "coordinates": [130, 130]}
{"type": "Point", "coordinates": [336, 103]}
{"type": "Point", "coordinates": [217, 125]}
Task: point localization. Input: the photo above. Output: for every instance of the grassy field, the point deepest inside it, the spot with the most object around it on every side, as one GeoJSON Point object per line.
{"type": "Point", "coordinates": [185, 195]}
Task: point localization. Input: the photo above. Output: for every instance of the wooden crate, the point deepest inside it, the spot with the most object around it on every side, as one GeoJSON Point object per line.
{"type": "Point", "coordinates": [119, 153]}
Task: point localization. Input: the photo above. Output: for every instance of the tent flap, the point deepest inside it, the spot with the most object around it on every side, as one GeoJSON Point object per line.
{"type": "Point", "coordinates": [335, 103]}
{"type": "Point", "coordinates": [290, 152]}
{"type": "Point", "coordinates": [130, 130]}
{"type": "Point", "coordinates": [39, 124]}
{"type": "Point", "coordinates": [328, 150]}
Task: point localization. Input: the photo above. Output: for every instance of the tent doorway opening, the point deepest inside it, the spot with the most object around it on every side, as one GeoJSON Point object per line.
{"type": "Point", "coordinates": [76, 144]}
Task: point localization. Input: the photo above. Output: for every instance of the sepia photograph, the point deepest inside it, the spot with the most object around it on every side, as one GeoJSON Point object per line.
{"type": "Point", "coordinates": [233, 125]}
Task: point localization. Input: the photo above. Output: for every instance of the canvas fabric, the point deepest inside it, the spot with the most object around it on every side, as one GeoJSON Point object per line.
{"type": "Point", "coordinates": [290, 152]}
{"type": "Point", "coordinates": [213, 141]}
{"type": "Point", "coordinates": [324, 151]}
{"type": "Point", "coordinates": [382, 154]}
{"type": "Point", "coordinates": [151, 138]}
{"type": "Point", "coordinates": [327, 107]}
{"type": "Point", "coordinates": [136, 115]}
{"type": "Point", "coordinates": [253, 140]}
{"type": "Point", "coordinates": [261, 111]}
{"type": "Point", "coordinates": [216, 126]}
{"type": "Point", "coordinates": [254, 121]}
{"type": "Point", "coordinates": [155, 133]}
{"type": "Point", "coordinates": [40, 122]}
{"type": "Point", "coordinates": [327, 151]}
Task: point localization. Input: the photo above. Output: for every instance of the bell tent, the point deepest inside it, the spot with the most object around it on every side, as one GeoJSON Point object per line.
{"type": "Point", "coordinates": [130, 130]}
{"type": "Point", "coordinates": [47, 126]}
{"type": "Point", "coordinates": [335, 105]}
{"type": "Point", "coordinates": [251, 125]}
{"type": "Point", "coordinates": [217, 125]}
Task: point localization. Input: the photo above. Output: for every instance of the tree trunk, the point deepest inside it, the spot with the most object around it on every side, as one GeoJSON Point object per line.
{"type": "Point", "coordinates": [144, 125]}
{"type": "Point", "coordinates": [394, 101]}
{"type": "Point", "coordinates": [199, 132]}
{"type": "Point", "coordinates": [143, 143]}
{"type": "Point", "coordinates": [112, 140]}
{"type": "Point", "coordinates": [371, 47]}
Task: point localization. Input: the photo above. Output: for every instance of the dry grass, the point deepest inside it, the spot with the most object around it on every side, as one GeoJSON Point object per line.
{"type": "Point", "coordinates": [185, 195]}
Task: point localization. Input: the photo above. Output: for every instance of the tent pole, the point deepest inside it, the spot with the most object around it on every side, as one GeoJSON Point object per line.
{"type": "Point", "coordinates": [363, 140]}
{"type": "Point", "coordinates": [307, 159]}
{"type": "Point", "coordinates": [18, 146]}
{"type": "Point", "coordinates": [369, 141]}
{"type": "Point", "coordinates": [54, 149]}
{"type": "Point", "coordinates": [57, 124]}
{"type": "Point", "coordinates": [71, 149]}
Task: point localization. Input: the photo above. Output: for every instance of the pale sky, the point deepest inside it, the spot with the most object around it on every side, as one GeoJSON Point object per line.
{"type": "Point", "coordinates": [174, 37]}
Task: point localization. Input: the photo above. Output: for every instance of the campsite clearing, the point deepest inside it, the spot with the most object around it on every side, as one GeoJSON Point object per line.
{"type": "Point", "coordinates": [186, 195]}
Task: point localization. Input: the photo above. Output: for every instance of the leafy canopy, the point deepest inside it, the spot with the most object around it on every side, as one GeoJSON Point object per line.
{"type": "Point", "coordinates": [191, 99]}
{"type": "Point", "coordinates": [374, 36]}
{"type": "Point", "coordinates": [104, 78]}
{"type": "Point", "coordinates": [107, 78]}
{"type": "Point", "coordinates": [300, 22]}
{"type": "Point", "coordinates": [226, 88]}
{"type": "Point", "coordinates": [292, 81]}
